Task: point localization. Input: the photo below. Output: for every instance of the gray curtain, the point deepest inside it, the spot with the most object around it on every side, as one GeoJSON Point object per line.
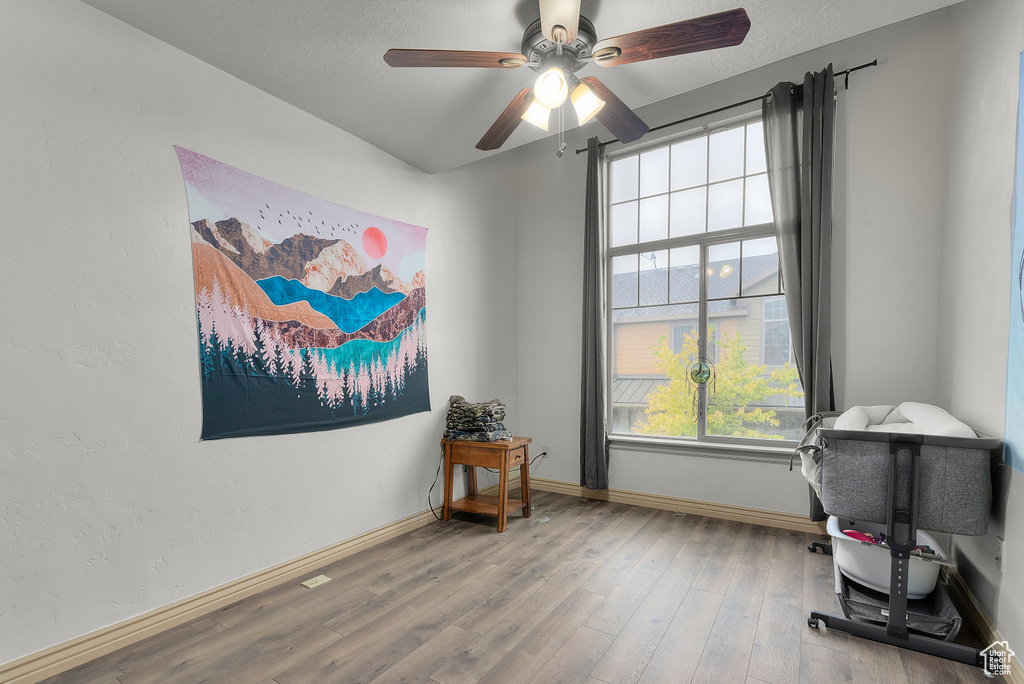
{"type": "Point", "coordinates": [799, 135]}
{"type": "Point", "coordinates": [593, 435]}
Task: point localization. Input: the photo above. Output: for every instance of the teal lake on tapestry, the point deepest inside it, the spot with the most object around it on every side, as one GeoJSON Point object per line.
{"type": "Point", "coordinates": [348, 314]}
{"type": "Point", "coordinates": [365, 352]}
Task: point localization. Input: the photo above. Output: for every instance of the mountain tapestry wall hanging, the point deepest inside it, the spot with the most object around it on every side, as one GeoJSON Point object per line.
{"type": "Point", "coordinates": [311, 315]}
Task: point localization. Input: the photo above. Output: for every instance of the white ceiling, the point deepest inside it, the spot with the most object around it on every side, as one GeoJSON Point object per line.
{"type": "Point", "coordinates": [325, 56]}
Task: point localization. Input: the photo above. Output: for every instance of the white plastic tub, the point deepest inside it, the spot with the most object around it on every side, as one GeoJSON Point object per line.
{"type": "Point", "coordinates": [870, 564]}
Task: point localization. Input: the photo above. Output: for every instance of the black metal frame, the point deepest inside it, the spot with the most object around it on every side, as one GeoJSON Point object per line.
{"type": "Point", "coordinates": [844, 72]}
{"type": "Point", "coordinates": [901, 535]}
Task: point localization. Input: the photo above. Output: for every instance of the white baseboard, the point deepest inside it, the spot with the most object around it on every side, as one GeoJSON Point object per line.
{"type": "Point", "coordinates": [755, 516]}
{"type": "Point", "coordinates": [56, 659]}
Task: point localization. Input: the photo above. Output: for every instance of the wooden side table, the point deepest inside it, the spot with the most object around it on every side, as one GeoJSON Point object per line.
{"type": "Point", "coordinates": [500, 455]}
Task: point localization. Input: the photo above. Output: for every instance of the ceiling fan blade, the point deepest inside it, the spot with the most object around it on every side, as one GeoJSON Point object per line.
{"type": "Point", "coordinates": [507, 122]}
{"type": "Point", "coordinates": [709, 32]}
{"type": "Point", "coordinates": [453, 58]}
{"type": "Point", "coordinates": [564, 13]}
{"type": "Point", "coordinates": [616, 115]}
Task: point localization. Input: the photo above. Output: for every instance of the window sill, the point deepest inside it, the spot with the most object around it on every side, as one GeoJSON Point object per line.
{"type": "Point", "coordinates": [735, 452]}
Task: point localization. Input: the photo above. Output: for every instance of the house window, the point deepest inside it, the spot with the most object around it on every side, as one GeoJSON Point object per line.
{"type": "Point", "coordinates": [776, 343]}
{"type": "Point", "coordinates": [684, 335]}
{"type": "Point", "coordinates": [693, 274]}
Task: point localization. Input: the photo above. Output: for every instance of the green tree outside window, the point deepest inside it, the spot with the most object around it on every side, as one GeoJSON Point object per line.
{"type": "Point", "coordinates": [735, 403]}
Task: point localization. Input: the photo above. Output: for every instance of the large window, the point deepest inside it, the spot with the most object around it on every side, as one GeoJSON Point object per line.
{"type": "Point", "coordinates": [694, 277]}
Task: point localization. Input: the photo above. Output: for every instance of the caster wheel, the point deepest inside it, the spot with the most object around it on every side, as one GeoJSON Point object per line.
{"type": "Point", "coordinates": [812, 623]}
{"type": "Point", "coordinates": [812, 548]}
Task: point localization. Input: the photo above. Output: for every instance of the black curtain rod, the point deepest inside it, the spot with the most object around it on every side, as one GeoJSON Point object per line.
{"type": "Point", "coordinates": [845, 72]}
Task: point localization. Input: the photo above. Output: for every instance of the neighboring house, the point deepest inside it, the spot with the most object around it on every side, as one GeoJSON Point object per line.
{"type": "Point", "coordinates": [667, 308]}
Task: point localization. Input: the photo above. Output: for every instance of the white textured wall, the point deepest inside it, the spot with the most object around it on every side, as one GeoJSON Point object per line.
{"type": "Point", "coordinates": [889, 196]}
{"type": "Point", "coordinates": [974, 291]}
{"type": "Point", "coordinates": [109, 505]}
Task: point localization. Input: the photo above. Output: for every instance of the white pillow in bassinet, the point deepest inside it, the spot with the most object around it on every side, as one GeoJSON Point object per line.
{"type": "Point", "coordinates": [908, 417]}
{"type": "Point", "coordinates": [860, 417]}
{"type": "Point", "coordinates": [931, 420]}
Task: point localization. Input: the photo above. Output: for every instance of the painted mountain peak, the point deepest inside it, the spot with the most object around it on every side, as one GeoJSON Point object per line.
{"type": "Point", "coordinates": [288, 259]}
{"type": "Point", "coordinates": [337, 268]}
{"type": "Point", "coordinates": [233, 235]}
{"type": "Point", "coordinates": [339, 261]}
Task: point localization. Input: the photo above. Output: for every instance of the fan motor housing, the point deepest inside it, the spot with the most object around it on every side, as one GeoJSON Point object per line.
{"type": "Point", "coordinates": [542, 54]}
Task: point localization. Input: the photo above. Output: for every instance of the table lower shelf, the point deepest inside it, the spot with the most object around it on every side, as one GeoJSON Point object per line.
{"type": "Point", "coordinates": [483, 504]}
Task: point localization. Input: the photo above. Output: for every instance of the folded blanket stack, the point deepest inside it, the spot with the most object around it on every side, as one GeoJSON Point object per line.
{"type": "Point", "coordinates": [475, 422]}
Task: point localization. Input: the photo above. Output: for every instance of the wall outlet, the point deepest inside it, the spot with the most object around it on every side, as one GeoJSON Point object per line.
{"type": "Point", "coordinates": [1000, 552]}
{"type": "Point", "coordinates": [316, 581]}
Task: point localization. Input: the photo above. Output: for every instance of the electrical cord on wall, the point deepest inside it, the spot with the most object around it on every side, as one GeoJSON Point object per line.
{"type": "Point", "coordinates": [429, 491]}
{"type": "Point", "coordinates": [438, 474]}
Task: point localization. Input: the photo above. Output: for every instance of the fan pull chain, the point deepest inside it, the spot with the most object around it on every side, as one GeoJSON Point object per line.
{"type": "Point", "coordinates": [561, 132]}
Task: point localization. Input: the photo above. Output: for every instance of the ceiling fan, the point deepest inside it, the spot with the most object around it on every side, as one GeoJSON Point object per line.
{"type": "Point", "coordinates": [561, 43]}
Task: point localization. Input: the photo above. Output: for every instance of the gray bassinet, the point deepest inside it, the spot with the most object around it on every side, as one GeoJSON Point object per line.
{"type": "Point", "coordinates": [849, 469]}
{"type": "Point", "coordinates": [955, 492]}
{"type": "Point", "coordinates": [907, 482]}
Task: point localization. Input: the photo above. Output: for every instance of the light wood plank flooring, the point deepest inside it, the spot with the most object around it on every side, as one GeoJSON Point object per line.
{"type": "Point", "coordinates": [584, 591]}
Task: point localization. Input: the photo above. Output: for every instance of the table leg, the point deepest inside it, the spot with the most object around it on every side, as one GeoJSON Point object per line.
{"type": "Point", "coordinates": [524, 481]}
{"type": "Point", "coordinates": [446, 513]}
{"type": "Point", "coordinates": [503, 495]}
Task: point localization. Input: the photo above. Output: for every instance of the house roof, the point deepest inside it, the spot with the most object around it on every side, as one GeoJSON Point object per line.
{"type": "Point", "coordinates": [633, 391]}
{"type": "Point", "coordinates": [662, 292]}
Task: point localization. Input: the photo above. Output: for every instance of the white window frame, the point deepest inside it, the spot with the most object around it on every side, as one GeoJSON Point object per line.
{"type": "Point", "coordinates": [704, 445]}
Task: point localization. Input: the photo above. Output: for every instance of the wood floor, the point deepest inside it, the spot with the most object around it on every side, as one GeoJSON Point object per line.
{"type": "Point", "coordinates": [585, 591]}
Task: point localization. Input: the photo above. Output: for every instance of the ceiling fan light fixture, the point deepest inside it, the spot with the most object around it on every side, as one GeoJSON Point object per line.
{"type": "Point", "coordinates": [561, 42]}
{"type": "Point", "coordinates": [551, 89]}
{"type": "Point", "coordinates": [585, 102]}
{"type": "Point", "coordinates": [560, 13]}
{"type": "Point", "coordinates": [538, 115]}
